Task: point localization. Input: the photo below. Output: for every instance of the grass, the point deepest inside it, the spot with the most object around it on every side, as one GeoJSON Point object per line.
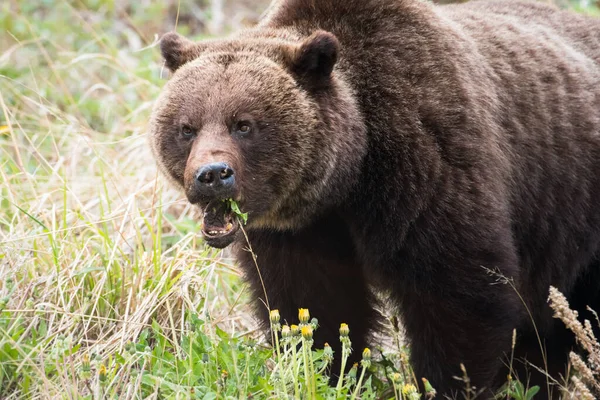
{"type": "Point", "coordinates": [106, 290]}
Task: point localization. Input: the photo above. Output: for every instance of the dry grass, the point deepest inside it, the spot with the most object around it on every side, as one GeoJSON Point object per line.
{"type": "Point", "coordinates": [586, 378]}
{"type": "Point", "coordinates": [93, 247]}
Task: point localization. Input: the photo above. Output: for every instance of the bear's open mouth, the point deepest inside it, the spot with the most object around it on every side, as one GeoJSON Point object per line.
{"type": "Point", "coordinates": [220, 224]}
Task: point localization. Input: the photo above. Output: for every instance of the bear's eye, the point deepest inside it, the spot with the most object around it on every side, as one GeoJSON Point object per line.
{"type": "Point", "coordinates": [187, 131]}
{"type": "Point", "coordinates": [243, 128]}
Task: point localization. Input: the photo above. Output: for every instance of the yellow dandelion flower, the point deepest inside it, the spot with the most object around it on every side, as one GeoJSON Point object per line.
{"type": "Point", "coordinates": [303, 315]}
{"type": "Point", "coordinates": [307, 332]}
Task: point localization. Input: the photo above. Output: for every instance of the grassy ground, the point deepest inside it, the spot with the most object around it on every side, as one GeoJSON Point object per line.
{"type": "Point", "coordinates": [106, 290]}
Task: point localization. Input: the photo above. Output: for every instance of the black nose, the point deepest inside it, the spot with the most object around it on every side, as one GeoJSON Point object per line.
{"type": "Point", "coordinates": [215, 179]}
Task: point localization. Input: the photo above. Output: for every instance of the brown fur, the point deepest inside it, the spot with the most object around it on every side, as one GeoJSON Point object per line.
{"type": "Point", "coordinates": [447, 142]}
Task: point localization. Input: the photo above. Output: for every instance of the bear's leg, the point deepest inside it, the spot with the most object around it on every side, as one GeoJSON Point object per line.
{"type": "Point", "coordinates": [455, 312]}
{"type": "Point", "coordinates": [314, 268]}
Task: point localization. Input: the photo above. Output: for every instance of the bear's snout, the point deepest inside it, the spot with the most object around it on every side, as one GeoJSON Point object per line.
{"type": "Point", "coordinates": [215, 180]}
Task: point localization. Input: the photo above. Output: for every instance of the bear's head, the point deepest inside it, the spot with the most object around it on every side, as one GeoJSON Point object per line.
{"type": "Point", "coordinates": [267, 120]}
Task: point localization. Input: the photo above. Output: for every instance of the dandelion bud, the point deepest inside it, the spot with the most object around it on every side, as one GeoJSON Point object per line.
{"type": "Point", "coordinates": [102, 373]}
{"type": "Point", "coordinates": [285, 331]}
{"type": "Point", "coordinates": [327, 353]}
{"type": "Point", "coordinates": [86, 369]}
{"type": "Point", "coordinates": [85, 364]}
{"type": "Point", "coordinates": [344, 330]}
{"type": "Point", "coordinates": [352, 373]}
{"type": "Point", "coordinates": [366, 358]}
{"type": "Point", "coordinates": [295, 330]}
{"type": "Point", "coordinates": [307, 332]}
{"type": "Point", "coordinates": [303, 315]}
{"type": "Point", "coordinates": [366, 355]}
{"type": "Point", "coordinates": [409, 389]}
{"type": "Point", "coordinates": [429, 389]}
{"type": "Point", "coordinates": [396, 378]}
{"type": "Point", "coordinates": [274, 316]}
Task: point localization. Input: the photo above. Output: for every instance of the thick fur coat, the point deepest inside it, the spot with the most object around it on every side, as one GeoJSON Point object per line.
{"type": "Point", "coordinates": [448, 157]}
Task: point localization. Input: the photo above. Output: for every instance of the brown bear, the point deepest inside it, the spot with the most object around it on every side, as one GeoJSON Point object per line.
{"type": "Point", "coordinates": [447, 157]}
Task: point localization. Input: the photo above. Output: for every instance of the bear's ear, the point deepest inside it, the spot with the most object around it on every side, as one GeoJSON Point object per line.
{"type": "Point", "coordinates": [177, 50]}
{"type": "Point", "coordinates": [314, 59]}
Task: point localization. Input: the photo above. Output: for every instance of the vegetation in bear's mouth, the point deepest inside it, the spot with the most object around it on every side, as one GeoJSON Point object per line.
{"type": "Point", "coordinates": [107, 290]}
{"type": "Point", "coordinates": [235, 209]}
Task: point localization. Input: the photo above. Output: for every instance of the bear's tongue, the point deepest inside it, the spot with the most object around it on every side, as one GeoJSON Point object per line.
{"type": "Point", "coordinates": [218, 218]}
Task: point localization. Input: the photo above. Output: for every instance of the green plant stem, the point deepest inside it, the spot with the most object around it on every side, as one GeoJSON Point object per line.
{"type": "Point", "coordinates": [307, 378]}
{"type": "Point", "coordinates": [359, 384]}
{"type": "Point", "coordinates": [342, 369]}
{"type": "Point", "coordinates": [295, 370]}
{"type": "Point", "coordinates": [279, 363]}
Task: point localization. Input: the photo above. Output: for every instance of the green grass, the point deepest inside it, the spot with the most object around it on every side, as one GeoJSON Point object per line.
{"type": "Point", "coordinates": [106, 289]}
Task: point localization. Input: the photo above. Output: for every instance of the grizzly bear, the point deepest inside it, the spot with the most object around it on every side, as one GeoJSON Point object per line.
{"type": "Point", "coordinates": [445, 158]}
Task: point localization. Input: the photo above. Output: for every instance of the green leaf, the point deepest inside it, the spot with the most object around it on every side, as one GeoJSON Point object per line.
{"type": "Point", "coordinates": [236, 210]}
{"type": "Point", "coordinates": [532, 392]}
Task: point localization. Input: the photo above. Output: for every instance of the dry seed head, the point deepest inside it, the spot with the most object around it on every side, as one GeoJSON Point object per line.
{"type": "Point", "coordinates": [560, 305]}
{"type": "Point", "coordinates": [579, 366]}
{"type": "Point", "coordinates": [303, 315]}
{"type": "Point", "coordinates": [581, 391]}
